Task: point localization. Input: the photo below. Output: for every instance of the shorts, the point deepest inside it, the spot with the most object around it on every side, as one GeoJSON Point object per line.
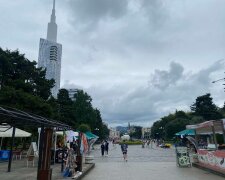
{"type": "Point", "coordinates": [124, 152]}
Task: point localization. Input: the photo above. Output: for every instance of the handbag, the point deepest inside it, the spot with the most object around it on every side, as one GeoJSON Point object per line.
{"type": "Point", "coordinates": [70, 173]}
{"type": "Point", "coordinates": [66, 172]}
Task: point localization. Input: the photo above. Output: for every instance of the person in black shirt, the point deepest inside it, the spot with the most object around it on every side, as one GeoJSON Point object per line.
{"type": "Point", "coordinates": [106, 147]}
{"type": "Point", "coordinates": [102, 148]}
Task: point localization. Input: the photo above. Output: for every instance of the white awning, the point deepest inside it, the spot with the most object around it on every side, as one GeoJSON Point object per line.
{"type": "Point", "coordinates": [6, 132]}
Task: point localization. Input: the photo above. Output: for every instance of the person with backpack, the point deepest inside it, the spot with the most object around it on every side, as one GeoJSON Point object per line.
{"type": "Point", "coordinates": [124, 150]}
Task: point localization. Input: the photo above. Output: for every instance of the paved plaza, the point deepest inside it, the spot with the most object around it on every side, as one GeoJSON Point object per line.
{"type": "Point", "coordinates": [143, 164]}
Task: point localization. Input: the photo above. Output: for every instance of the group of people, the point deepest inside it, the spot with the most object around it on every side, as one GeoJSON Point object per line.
{"type": "Point", "coordinates": [105, 148]}
{"type": "Point", "coordinates": [148, 143]}
{"type": "Point", "coordinates": [70, 160]}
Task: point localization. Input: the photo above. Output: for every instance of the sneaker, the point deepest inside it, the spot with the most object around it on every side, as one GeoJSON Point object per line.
{"type": "Point", "coordinates": [74, 177]}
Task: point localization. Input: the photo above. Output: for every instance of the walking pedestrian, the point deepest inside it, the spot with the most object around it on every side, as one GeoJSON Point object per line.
{"type": "Point", "coordinates": [113, 142]}
{"type": "Point", "coordinates": [124, 150]}
{"type": "Point", "coordinates": [143, 144]}
{"type": "Point", "coordinates": [152, 141]}
{"type": "Point", "coordinates": [102, 148]}
{"type": "Point", "coordinates": [148, 142]}
{"type": "Point", "coordinates": [106, 147]}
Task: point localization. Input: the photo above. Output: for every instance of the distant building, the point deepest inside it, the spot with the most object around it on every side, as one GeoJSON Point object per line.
{"type": "Point", "coordinates": [146, 133]}
{"type": "Point", "coordinates": [125, 137]}
{"type": "Point", "coordinates": [50, 54]}
{"type": "Point", "coordinates": [114, 134]}
{"type": "Point", "coordinates": [72, 92]}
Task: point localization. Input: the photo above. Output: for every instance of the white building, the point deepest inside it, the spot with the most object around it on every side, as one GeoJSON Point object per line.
{"type": "Point", "coordinates": [72, 92]}
{"type": "Point", "coordinates": [146, 132]}
{"type": "Point", "coordinates": [50, 53]}
{"type": "Point", "coordinates": [114, 134]}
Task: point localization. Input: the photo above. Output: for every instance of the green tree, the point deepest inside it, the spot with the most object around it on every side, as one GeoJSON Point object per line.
{"type": "Point", "coordinates": [84, 128]}
{"type": "Point", "coordinates": [24, 86]}
{"type": "Point", "coordinates": [24, 101]}
{"type": "Point", "coordinates": [65, 108]}
{"type": "Point", "coordinates": [175, 126]}
{"type": "Point", "coordinates": [83, 109]}
{"type": "Point", "coordinates": [18, 72]}
{"type": "Point", "coordinates": [205, 107]}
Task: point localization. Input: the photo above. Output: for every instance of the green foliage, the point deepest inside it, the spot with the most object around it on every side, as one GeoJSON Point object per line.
{"type": "Point", "coordinates": [18, 72]}
{"type": "Point", "coordinates": [84, 128]}
{"type": "Point", "coordinates": [21, 100]}
{"type": "Point", "coordinates": [131, 142]}
{"type": "Point", "coordinates": [205, 107]}
{"type": "Point", "coordinates": [136, 133]}
{"type": "Point", "coordinates": [65, 108]}
{"type": "Point", "coordinates": [174, 126]}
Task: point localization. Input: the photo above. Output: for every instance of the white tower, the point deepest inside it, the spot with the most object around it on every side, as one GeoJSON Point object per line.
{"type": "Point", "coordinates": [50, 53]}
{"type": "Point", "coordinates": [52, 26]}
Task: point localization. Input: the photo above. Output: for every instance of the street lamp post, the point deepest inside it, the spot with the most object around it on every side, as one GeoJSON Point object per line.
{"type": "Point", "coordinates": [222, 79]}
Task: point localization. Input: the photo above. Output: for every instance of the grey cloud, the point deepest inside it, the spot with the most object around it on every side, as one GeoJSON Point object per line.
{"type": "Point", "coordinates": [162, 79]}
{"type": "Point", "coordinates": [145, 104]}
{"type": "Point", "coordinates": [111, 47]}
{"type": "Point", "coordinates": [155, 11]}
{"type": "Point", "coordinates": [91, 12]}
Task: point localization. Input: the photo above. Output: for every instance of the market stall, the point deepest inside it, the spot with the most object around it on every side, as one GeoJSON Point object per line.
{"type": "Point", "coordinates": [211, 153]}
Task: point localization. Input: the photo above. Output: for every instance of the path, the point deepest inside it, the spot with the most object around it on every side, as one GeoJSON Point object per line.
{"type": "Point", "coordinates": [155, 164]}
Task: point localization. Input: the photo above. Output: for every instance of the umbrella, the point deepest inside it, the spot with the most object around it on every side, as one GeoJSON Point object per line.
{"type": "Point", "coordinates": [70, 136]}
{"type": "Point", "coordinates": [7, 132]}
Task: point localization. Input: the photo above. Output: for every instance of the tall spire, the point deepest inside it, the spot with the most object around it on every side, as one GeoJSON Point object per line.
{"type": "Point", "coordinates": [52, 26]}
{"type": "Point", "coordinates": [53, 17]}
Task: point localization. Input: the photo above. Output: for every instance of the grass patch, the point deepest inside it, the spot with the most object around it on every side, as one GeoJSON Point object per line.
{"type": "Point", "coordinates": [131, 142]}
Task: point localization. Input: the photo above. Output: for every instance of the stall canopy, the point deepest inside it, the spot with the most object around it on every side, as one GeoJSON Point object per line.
{"type": "Point", "coordinates": [188, 132]}
{"type": "Point", "coordinates": [90, 135]}
{"type": "Point", "coordinates": [7, 132]}
{"type": "Point", "coordinates": [208, 126]}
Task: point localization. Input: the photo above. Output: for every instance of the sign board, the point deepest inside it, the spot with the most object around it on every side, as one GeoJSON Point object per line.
{"type": "Point", "coordinates": [33, 150]}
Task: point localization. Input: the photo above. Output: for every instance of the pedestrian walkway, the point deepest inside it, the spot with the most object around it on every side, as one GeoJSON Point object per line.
{"type": "Point", "coordinates": [144, 163]}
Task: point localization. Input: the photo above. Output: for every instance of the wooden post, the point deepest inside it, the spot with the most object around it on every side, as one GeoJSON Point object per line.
{"type": "Point", "coordinates": [214, 136]}
{"type": "Point", "coordinates": [223, 131]}
{"type": "Point", "coordinates": [45, 172]}
{"type": "Point", "coordinates": [11, 149]}
{"type": "Point", "coordinates": [196, 139]}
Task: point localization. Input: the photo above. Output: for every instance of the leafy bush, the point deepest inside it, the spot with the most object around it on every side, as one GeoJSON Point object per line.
{"type": "Point", "coordinates": [131, 142]}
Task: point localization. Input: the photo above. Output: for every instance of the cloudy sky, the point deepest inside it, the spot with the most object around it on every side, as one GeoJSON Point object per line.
{"type": "Point", "coordinates": [138, 59]}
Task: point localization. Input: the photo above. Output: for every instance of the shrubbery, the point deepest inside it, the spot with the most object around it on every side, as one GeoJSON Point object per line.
{"type": "Point", "coordinates": [131, 142]}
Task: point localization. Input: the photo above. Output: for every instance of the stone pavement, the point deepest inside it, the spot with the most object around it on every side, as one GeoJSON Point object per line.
{"type": "Point", "coordinates": [143, 163]}
{"type": "Point", "coordinates": [21, 172]}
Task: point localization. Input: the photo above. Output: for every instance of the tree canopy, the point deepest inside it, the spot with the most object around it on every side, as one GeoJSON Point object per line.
{"type": "Point", "coordinates": [202, 109]}
{"type": "Point", "coordinates": [24, 86]}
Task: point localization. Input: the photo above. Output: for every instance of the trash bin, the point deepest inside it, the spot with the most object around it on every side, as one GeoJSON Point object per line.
{"type": "Point", "coordinates": [4, 155]}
